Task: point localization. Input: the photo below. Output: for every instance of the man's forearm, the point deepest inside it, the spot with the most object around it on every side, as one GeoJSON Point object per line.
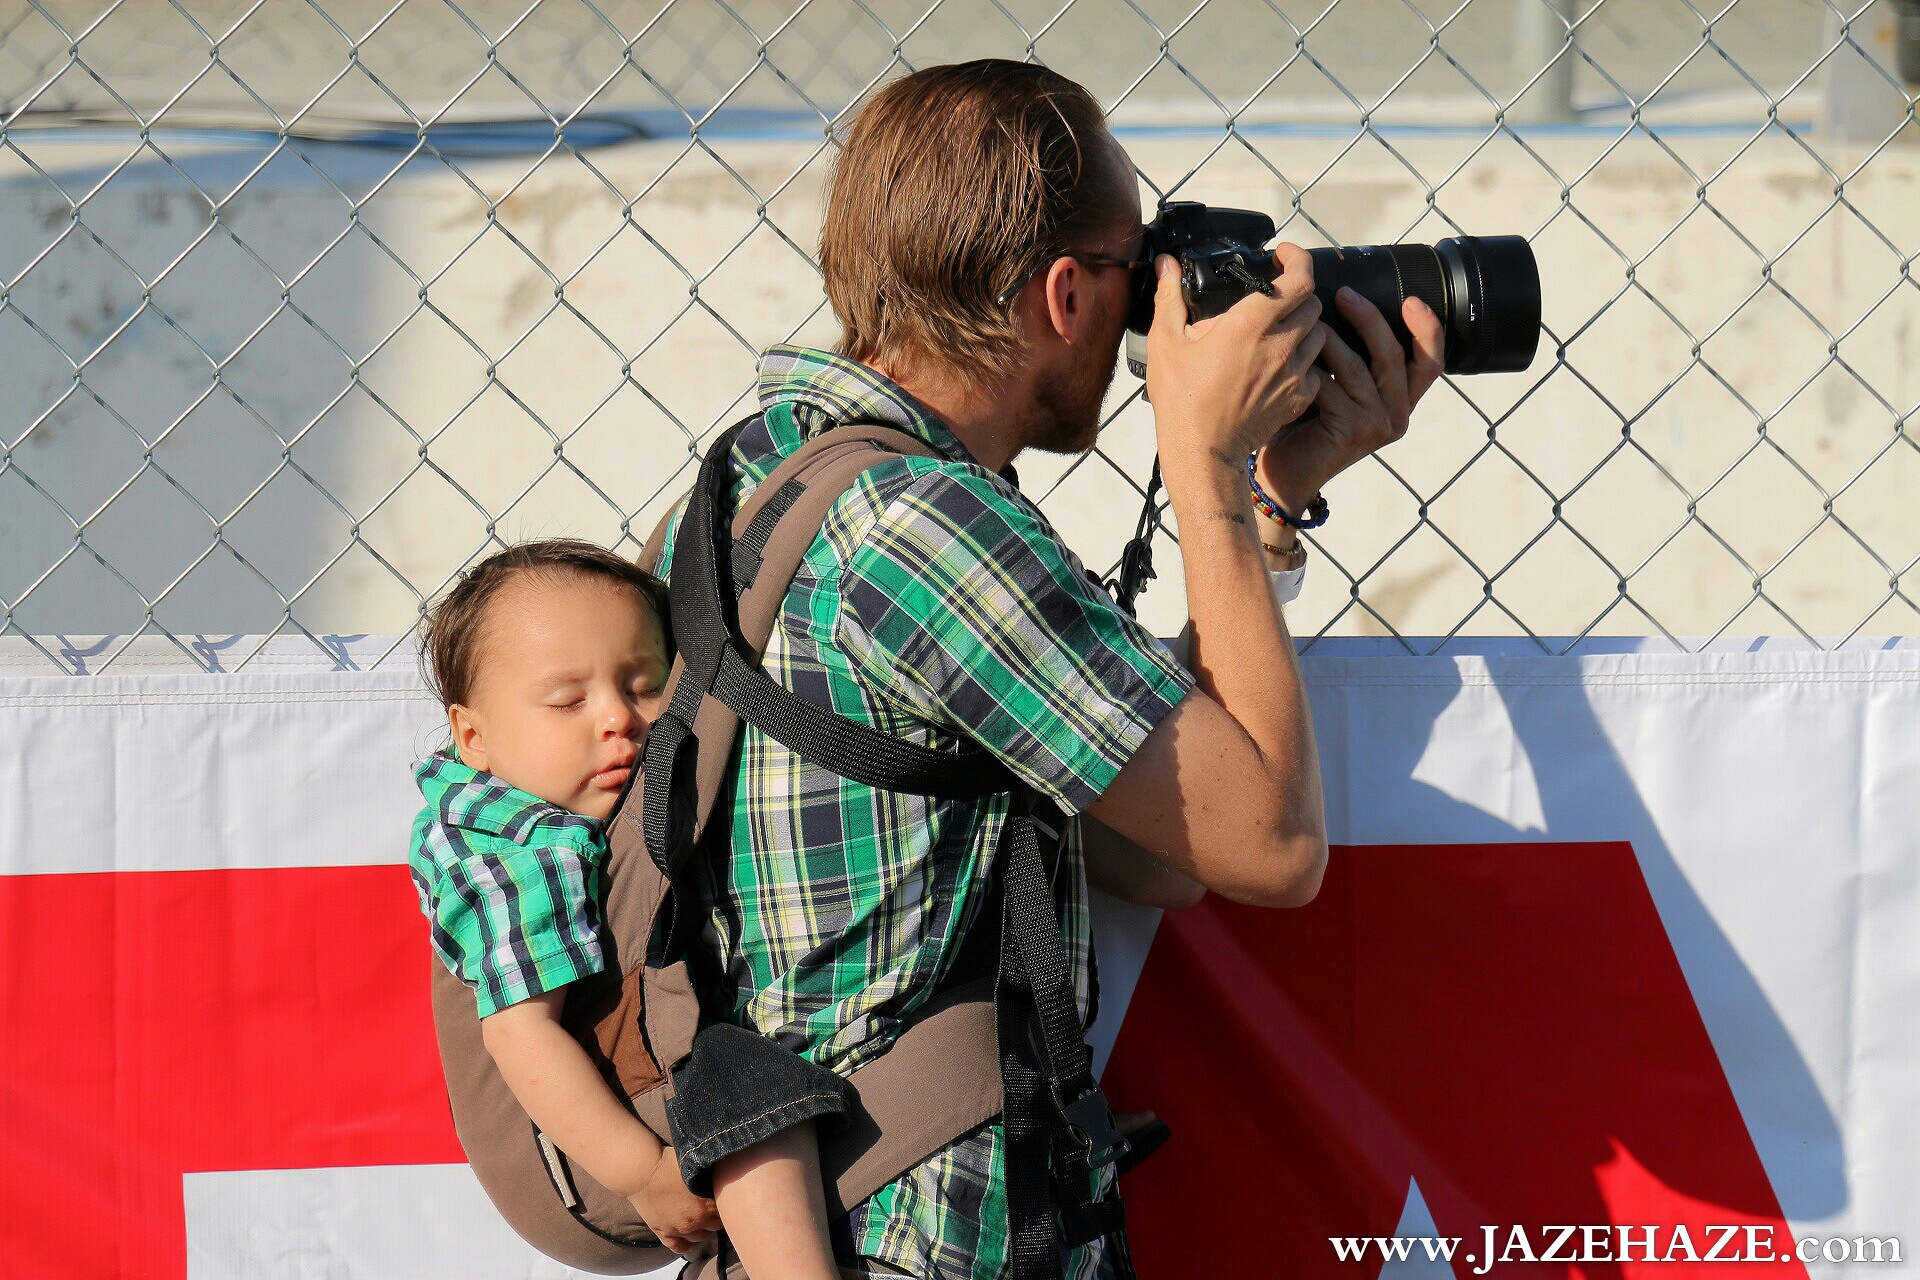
{"type": "Point", "coordinates": [1241, 653]}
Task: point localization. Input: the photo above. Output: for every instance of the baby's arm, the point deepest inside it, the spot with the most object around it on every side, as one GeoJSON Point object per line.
{"type": "Point", "coordinates": [554, 1080]}
{"type": "Point", "coordinates": [775, 1212]}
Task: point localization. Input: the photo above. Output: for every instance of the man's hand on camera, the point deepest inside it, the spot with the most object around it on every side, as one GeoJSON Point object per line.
{"type": "Point", "coordinates": [1362, 407]}
{"type": "Point", "coordinates": [1225, 385]}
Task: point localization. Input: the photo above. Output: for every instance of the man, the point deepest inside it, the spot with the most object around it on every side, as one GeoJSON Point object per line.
{"type": "Point", "coordinates": [976, 249]}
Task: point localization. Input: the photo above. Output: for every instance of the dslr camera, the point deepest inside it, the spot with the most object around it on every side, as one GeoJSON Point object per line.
{"type": "Point", "coordinates": [1485, 289]}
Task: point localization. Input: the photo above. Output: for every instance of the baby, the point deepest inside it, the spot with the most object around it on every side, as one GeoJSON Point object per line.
{"type": "Point", "coordinates": [551, 659]}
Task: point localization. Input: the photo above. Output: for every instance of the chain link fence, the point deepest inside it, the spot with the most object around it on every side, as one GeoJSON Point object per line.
{"type": "Point", "coordinates": [306, 304]}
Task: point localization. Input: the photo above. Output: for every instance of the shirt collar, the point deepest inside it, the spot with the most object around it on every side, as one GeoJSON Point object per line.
{"type": "Point", "coordinates": [476, 800]}
{"type": "Point", "coordinates": [827, 390]}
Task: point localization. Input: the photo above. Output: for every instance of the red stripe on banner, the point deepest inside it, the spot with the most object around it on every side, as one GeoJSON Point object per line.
{"type": "Point", "coordinates": [1505, 1024]}
{"type": "Point", "coordinates": [165, 1023]}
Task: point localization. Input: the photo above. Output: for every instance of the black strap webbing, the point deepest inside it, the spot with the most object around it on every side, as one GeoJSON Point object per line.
{"type": "Point", "coordinates": [854, 750]}
{"type": "Point", "coordinates": [1053, 1111]}
{"type": "Point", "coordinates": [748, 547]}
{"type": "Point", "coordinates": [703, 609]}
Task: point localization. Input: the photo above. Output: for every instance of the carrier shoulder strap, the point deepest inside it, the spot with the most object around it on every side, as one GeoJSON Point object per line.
{"type": "Point", "coordinates": [728, 584]}
{"type": "Point", "coordinates": [718, 681]}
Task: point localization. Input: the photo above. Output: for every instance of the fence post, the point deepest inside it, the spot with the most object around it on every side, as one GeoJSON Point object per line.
{"type": "Point", "coordinates": [1862, 102]}
{"type": "Point", "coordinates": [1543, 37]}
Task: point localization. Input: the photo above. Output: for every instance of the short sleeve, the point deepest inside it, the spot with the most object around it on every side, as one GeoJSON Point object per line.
{"type": "Point", "coordinates": [663, 567]}
{"type": "Point", "coordinates": [962, 605]}
{"type": "Point", "coordinates": [523, 919]}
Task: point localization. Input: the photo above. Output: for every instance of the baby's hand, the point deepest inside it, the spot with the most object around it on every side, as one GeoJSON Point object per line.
{"type": "Point", "coordinates": [681, 1219]}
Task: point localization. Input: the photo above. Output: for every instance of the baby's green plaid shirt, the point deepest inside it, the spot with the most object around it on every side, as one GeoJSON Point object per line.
{"type": "Point", "coordinates": [510, 884]}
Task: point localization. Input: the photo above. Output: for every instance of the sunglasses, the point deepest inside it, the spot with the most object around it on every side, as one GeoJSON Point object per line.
{"type": "Point", "coordinates": [1135, 266]}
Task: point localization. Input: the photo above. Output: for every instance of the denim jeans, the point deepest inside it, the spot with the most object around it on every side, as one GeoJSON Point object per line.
{"type": "Point", "coordinates": [737, 1088]}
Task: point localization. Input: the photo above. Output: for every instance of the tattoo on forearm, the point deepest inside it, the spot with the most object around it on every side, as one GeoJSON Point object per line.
{"type": "Point", "coordinates": [1234, 516]}
{"type": "Point", "coordinates": [1228, 460]}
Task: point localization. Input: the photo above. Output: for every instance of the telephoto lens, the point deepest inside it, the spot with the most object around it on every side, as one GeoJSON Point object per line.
{"type": "Point", "coordinates": [1485, 289]}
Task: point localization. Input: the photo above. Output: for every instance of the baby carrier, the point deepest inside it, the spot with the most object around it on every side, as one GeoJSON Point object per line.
{"type": "Point", "coordinates": [1005, 1041]}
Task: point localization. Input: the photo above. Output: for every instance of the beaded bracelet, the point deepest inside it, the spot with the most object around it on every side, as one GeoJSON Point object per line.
{"type": "Point", "coordinates": [1317, 510]}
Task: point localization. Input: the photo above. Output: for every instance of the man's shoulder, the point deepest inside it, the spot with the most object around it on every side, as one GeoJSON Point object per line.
{"type": "Point", "coordinates": [955, 496]}
{"type": "Point", "coordinates": [906, 489]}
{"type": "Point", "coordinates": [902, 499]}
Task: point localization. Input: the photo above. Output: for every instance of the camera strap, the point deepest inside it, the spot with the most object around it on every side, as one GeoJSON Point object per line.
{"type": "Point", "coordinates": [1136, 560]}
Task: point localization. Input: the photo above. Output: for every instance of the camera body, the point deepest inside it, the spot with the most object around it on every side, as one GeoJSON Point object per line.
{"type": "Point", "coordinates": [1486, 290]}
{"type": "Point", "coordinates": [1220, 255]}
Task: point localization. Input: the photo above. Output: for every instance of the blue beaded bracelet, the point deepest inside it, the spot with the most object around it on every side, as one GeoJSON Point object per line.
{"type": "Point", "coordinates": [1317, 510]}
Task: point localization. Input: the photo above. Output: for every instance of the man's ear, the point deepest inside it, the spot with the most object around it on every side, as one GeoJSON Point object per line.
{"type": "Point", "coordinates": [1065, 293]}
{"type": "Point", "coordinates": [468, 743]}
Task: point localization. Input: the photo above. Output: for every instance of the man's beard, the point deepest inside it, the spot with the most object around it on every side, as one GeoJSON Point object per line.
{"type": "Point", "coordinates": [1069, 406]}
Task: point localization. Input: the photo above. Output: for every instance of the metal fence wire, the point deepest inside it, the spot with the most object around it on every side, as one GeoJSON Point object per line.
{"type": "Point", "coordinates": [307, 304]}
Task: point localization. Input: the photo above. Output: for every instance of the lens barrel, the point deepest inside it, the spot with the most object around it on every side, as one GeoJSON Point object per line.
{"type": "Point", "coordinates": [1485, 289]}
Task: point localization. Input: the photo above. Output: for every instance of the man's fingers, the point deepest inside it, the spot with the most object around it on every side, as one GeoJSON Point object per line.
{"type": "Point", "coordinates": [1292, 291]}
{"type": "Point", "coordinates": [1169, 304]}
{"type": "Point", "coordinates": [1372, 327]}
{"type": "Point", "coordinates": [1331, 399]}
{"type": "Point", "coordinates": [1388, 361]}
{"type": "Point", "coordinates": [1295, 278]}
{"type": "Point", "coordinates": [1293, 344]}
{"type": "Point", "coordinates": [1313, 384]}
{"type": "Point", "coordinates": [1263, 317]}
{"type": "Point", "coordinates": [1429, 348]}
{"type": "Point", "coordinates": [1312, 342]}
{"type": "Point", "coordinates": [1303, 312]}
{"type": "Point", "coordinates": [1352, 373]}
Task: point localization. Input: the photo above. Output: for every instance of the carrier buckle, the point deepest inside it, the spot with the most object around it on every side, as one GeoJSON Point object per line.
{"type": "Point", "coordinates": [1045, 828]}
{"type": "Point", "coordinates": [1091, 1120]}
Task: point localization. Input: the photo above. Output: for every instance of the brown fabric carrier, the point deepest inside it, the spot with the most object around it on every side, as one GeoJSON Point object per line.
{"type": "Point", "coordinates": [939, 1081]}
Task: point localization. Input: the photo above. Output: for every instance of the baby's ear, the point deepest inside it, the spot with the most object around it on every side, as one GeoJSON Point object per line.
{"type": "Point", "coordinates": [469, 746]}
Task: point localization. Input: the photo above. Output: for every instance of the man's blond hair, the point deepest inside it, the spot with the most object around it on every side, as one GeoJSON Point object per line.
{"type": "Point", "coordinates": [952, 184]}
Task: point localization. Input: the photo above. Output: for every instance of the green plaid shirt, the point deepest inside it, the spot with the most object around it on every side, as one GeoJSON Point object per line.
{"type": "Point", "coordinates": [936, 603]}
{"type": "Point", "coordinates": [509, 883]}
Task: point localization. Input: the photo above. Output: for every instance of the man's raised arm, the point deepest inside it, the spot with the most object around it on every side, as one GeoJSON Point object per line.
{"type": "Point", "coordinates": [1226, 789]}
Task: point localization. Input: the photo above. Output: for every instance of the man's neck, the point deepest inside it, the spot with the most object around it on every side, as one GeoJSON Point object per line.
{"type": "Point", "coordinates": [989, 419]}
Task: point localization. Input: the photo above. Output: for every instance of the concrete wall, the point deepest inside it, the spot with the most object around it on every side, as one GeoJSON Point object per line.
{"type": "Point", "coordinates": [570, 347]}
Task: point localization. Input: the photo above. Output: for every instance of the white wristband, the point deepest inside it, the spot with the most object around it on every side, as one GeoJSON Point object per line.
{"type": "Point", "coordinates": [1285, 584]}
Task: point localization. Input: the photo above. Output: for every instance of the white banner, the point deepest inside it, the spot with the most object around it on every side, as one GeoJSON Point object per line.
{"type": "Point", "coordinates": [1613, 939]}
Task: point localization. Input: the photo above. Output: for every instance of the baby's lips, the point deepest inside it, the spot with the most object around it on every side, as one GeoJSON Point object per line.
{"type": "Point", "coordinates": [614, 776]}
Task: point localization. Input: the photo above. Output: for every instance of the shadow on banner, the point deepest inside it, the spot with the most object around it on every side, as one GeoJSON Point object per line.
{"type": "Point", "coordinates": [1498, 1025]}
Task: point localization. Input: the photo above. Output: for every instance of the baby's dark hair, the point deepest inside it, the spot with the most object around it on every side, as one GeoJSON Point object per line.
{"type": "Point", "coordinates": [450, 631]}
